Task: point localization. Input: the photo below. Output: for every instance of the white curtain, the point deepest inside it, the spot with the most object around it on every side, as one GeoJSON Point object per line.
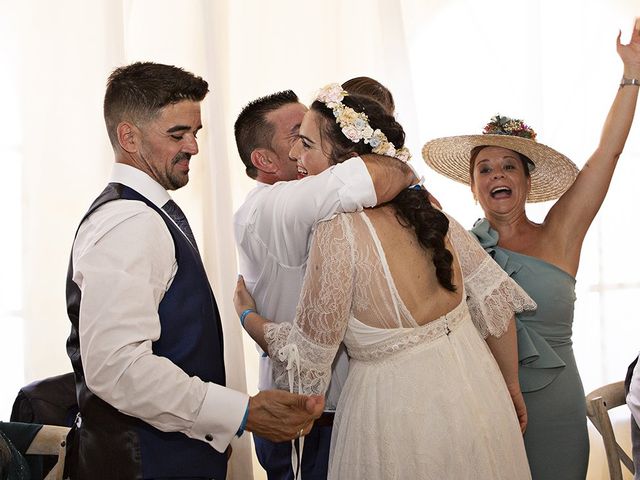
{"type": "Point", "coordinates": [68, 50]}
{"type": "Point", "coordinates": [451, 64]}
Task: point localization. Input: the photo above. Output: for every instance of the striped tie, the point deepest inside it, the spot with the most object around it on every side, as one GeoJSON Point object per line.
{"type": "Point", "coordinates": [177, 215]}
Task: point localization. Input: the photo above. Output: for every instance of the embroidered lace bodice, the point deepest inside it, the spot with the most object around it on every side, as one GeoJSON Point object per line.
{"type": "Point", "coordinates": [349, 295]}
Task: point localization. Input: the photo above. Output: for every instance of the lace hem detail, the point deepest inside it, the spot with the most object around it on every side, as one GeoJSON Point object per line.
{"type": "Point", "coordinates": [408, 338]}
{"type": "Point", "coordinates": [284, 341]}
{"type": "Point", "coordinates": [492, 303]}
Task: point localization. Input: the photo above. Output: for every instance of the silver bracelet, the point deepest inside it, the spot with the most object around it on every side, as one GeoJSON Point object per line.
{"type": "Point", "coordinates": [629, 81]}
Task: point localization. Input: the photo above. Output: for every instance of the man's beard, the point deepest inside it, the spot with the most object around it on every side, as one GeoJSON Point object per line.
{"type": "Point", "coordinates": [177, 181]}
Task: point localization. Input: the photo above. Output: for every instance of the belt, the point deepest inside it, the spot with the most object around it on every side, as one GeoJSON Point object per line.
{"type": "Point", "coordinates": [325, 420]}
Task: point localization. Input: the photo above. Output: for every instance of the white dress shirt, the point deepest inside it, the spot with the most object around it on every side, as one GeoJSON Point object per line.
{"type": "Point", "coordinates": [633, 402]}
{"type": "Point", "coordinates": [273, 230]}
{"type": "Point", "coordinates": [633, 397]}
{"type": "Point", "coordinates": [124, 262]}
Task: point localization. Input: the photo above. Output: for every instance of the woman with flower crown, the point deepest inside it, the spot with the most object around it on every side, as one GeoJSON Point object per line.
{"type": "Point", "coordinates": [506, 168]}
{"type": "Point", "coordinates": [427, 318]}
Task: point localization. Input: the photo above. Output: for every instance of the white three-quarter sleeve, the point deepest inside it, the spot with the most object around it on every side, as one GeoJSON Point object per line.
{"type": "Point", "coordinates": [492, 296]}
{"type": "Point", "coordinates": [322, 314]}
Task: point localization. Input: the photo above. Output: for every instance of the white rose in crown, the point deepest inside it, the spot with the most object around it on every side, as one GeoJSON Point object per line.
{"type": "Point", "coordinates": [331, 94]}
{"type": "Point", "coordinates": [355, 126]}
{"type": "Point", "coordinates": [391, 151]}
{"type": "Point", "coordinates": [351, 133]}
{"type": "Point", "coordinates": [347, 116]}
{"type": "Point", "coordinates": [403, 155]}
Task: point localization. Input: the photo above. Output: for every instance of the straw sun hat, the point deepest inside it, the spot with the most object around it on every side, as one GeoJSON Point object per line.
{"type": "Point", "coordinates": [551, 173]}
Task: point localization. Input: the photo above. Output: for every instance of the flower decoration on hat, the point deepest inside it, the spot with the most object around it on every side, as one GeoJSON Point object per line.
{"type": "Point", "coordinates": [355, 125]}
{"type": "Point", "coordinates": [552, 173]}
{"type": "Point", "coordinates": [509, 126]}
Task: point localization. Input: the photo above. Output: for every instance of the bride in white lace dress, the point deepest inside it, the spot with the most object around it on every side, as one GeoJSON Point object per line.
{"type": "Point", "coordinates": [426, 317]}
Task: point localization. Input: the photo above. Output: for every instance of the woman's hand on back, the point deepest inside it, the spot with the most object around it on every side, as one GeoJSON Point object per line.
{"type": "Point", "coordinates": [242, 299]}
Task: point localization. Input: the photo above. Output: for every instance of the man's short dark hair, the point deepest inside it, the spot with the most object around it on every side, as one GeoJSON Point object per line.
{"type": "Point", "coordinates": [253, 130]}
{"type": "Point", "coordinates": [137, 92]}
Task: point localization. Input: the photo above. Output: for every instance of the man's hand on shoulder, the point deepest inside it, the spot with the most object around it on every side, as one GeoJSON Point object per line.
{"type": "Point", "coordinates": [279, 416]}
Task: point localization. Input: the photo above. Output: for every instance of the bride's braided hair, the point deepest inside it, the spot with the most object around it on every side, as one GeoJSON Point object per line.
{"type": "Point", "coordinates": [413, 209]}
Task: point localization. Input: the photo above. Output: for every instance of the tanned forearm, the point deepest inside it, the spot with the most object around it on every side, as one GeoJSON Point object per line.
{"type": "Point", "coordinates": [389, 175]}
{"type": "Point", "coordinates": [505, 351]}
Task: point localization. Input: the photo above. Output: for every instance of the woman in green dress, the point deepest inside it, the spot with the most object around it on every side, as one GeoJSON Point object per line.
{"type": "Point", "coordinates": [506, 168]}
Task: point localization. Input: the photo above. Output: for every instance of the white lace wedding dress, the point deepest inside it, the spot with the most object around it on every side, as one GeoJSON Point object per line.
{"type": "Point", "coordinates": [420, 402]}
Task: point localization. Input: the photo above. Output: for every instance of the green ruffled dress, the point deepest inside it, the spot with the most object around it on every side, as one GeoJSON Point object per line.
{"type": "Point", "coordinates": [556, 439]}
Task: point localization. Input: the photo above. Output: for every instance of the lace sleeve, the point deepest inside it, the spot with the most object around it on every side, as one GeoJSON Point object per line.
{"type": "Point", "coordinates": [310, 344]}
{"type": "Point", "coordinates": [492, 296]}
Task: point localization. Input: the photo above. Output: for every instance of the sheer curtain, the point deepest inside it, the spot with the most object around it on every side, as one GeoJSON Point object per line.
{"type": "Point", "coordinates": [68, 50]}
{"type": "Point", "coordinates": [451, 64]}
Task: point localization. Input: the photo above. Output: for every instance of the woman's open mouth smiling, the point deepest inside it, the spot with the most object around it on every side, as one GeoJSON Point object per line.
{"type": "Point", "coordinates": [500, 192]}
{"type": "Point", "coordinates": [302, 172]}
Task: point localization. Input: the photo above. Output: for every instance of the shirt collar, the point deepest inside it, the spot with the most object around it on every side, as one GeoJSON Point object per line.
{"type": "Point", "coordinates": [140, 182]}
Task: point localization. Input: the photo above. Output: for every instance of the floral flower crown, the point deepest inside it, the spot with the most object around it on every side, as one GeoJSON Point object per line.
{"type": "Point", "coordinates": [509, 126]}
{"type": "Point", "coordinates": [355, 126]}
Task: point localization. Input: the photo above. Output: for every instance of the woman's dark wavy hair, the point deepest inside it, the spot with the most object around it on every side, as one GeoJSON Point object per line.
{"type": "Point", "coordinates": [413, 208]}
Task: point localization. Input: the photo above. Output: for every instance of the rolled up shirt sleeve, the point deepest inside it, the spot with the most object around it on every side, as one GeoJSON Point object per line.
{"type": "Point", "coordinates": [358, 191]}
{"type": "Point", "coordinates": [124, 262]}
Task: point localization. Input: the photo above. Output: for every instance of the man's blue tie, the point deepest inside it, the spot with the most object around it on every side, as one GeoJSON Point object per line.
{"type": "Point", "coordinates": [177, 215]}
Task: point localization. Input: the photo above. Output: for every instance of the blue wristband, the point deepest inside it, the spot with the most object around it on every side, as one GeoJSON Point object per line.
{"type": "Point", "coordinates": [244, 314]}
{"type": "Point", "coordinates": [243, 424]}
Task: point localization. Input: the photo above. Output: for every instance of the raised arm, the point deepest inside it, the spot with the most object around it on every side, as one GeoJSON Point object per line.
{"type": "Point", "coordinates": [321, 317]}
{"type": "Point", "coordinates": [571, 216]}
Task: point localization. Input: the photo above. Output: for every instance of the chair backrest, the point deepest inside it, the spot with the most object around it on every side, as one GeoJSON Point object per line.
{"type": "Point", "coordinates": [599, 402]}
{"type": "Point", "coordinates": [51, 440]}
{"type": "Point", "coordinates": [49, 401]}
